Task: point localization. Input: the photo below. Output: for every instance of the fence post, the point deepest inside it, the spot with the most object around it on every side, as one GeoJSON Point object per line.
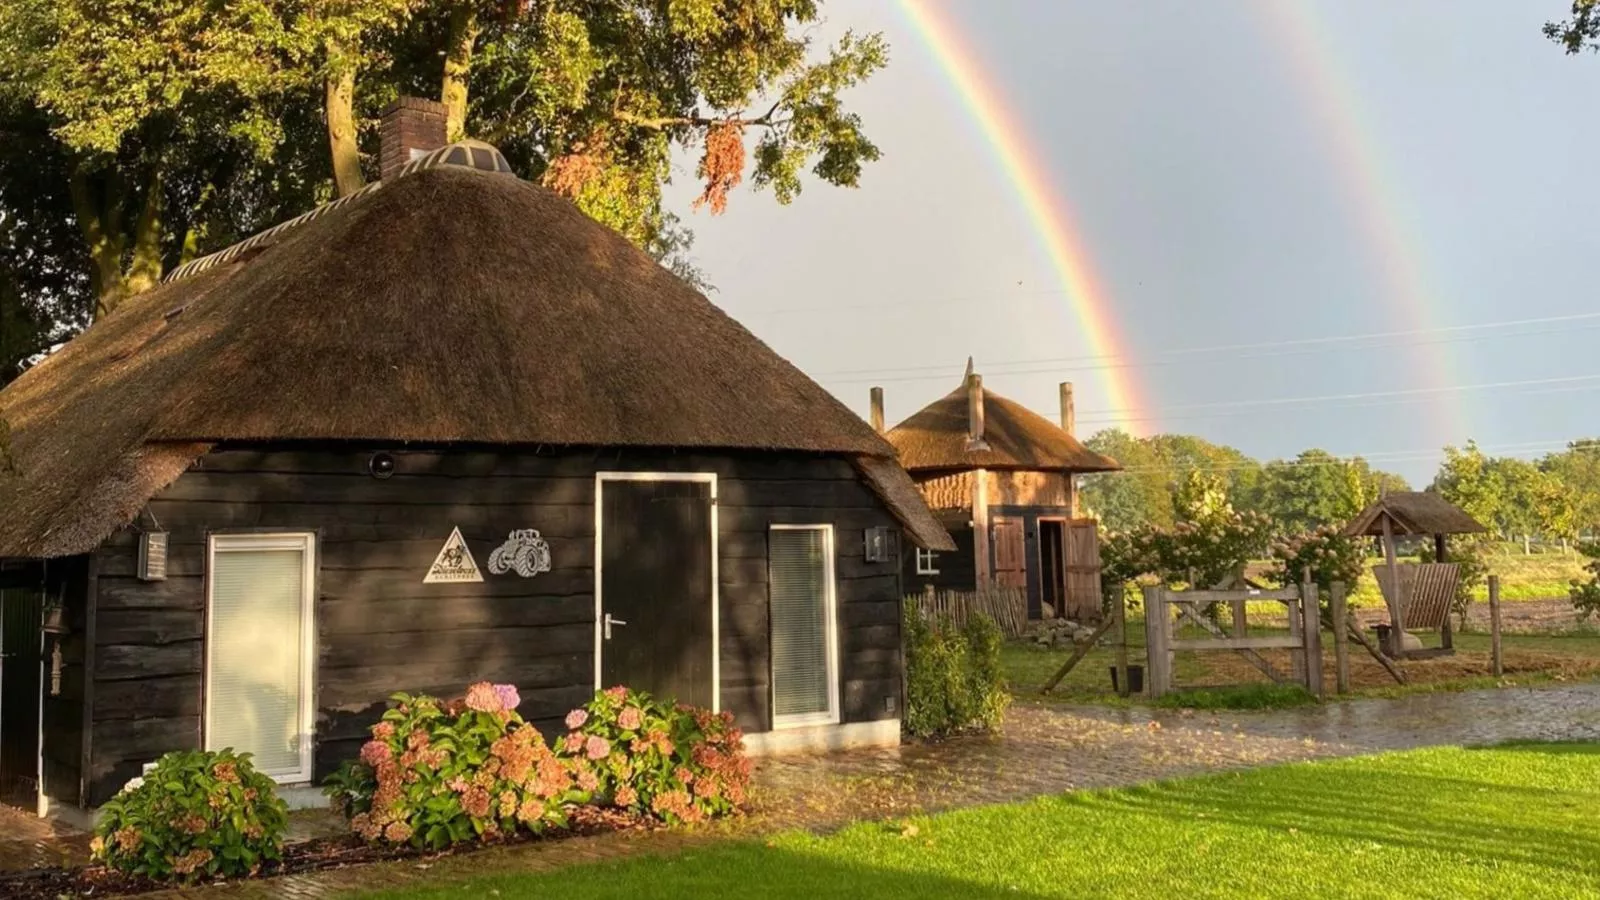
{"type": "Point", "coordinates": [1297, 658]}
{"type": "Point", "coordinates": [1494, 625]}
{"type": "Point", "coordinates": [1311, 609]}
{"type": "Point", "coordinates": [1119, 610]}
{"type": "Point", "coordinates": [1158, 674]}
{"type": "Point", "coordinates": [1341, 639]}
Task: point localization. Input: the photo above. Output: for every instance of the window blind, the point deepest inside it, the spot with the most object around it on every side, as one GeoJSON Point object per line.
{"type": "Point", "coordinates": [257, 655]}
{"type": "Point", "coordinates": [801, 614]}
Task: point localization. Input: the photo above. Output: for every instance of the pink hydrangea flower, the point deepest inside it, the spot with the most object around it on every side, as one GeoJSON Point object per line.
{"type": "Point", "coordinates": [597, 747]}
{"type": "Point", "coordinates": [508, 696]}
{"type": "Point", "coordinates": [375, 752]}
{"type": "Point", "coordinates": [574, 742]}
{"type": "Point", "coordinates": [618, 693]}
{"type": "Point", "coordinates": [630, 719]}
{"type": "Point", "coordinates": [576, 718]}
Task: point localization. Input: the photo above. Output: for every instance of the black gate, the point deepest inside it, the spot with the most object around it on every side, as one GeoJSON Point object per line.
{"type": "Point", "coordinates": [21, 641]}
{"type": "Point", "coordinates": [655, 588]}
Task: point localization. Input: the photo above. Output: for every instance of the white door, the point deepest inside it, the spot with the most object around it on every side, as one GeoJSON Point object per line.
{"type": "Point", "coordinates": [259, 640]}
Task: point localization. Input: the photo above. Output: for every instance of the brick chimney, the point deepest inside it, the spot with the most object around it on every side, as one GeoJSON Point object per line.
{"type": "Point", "coordinates": [409, 128]}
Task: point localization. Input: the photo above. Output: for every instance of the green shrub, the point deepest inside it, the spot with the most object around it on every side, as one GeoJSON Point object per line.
{"type": "Point", "coordinates": [1586, 594]}
{"type": "Point", "coordinates": [436, 774]}
{"type": "Point", "coordinates": [953, 680]}
{"type": "Point", "coordinates": [196, 813]}
{"type": "Point", "coordinates": [672, 761]}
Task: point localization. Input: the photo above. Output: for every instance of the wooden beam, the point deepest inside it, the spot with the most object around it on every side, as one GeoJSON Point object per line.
{"type": "Point", "coordinates": [1395, 671]}
{"type": "Point", "coordinates": [1233, 643]}
{"type": "Point", "coordinates": [1205, 598]}
{"type": "Point", "coordinates": [980, 528]}
{"type": "Point", "coordinates": [1311, 635]}
{"type": "Point", "coordinates": [1119, 612]}
{"type": "Point", "coordinates": [1397, 603]}
{"type": "Point", "coordinates": [1158, 667]}
{"type": "Point", "coordinates": [1494, 626]}
{"type": "Point", "coordinates": [1078, 655]}
{"type": "Point", "coordinates": [1341, 639]}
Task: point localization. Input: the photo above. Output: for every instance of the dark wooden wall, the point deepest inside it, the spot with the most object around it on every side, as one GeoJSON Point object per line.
{"type": "Point", "coordinates": [958, 570]}
{"type": "Point", "coordinates": [381, 630]}
{"type": "Point", "coordinates": [64, 583]}
{"type": "Point", "coordinates": [1030, 536]}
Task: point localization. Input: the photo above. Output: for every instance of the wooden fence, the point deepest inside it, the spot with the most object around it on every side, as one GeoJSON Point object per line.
{"type": "Point", "coordinates": [1303, 641]}
{"type": "Point", "coordinates": [1007, 606]}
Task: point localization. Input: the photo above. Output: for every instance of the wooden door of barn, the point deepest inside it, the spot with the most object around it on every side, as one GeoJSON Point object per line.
{"type": "Point", "coordinates": [1083, 569]}
{"type": "Point", "coordinates": [1010, 555]}
{"type": "Point", "coordinates": [655, 607]}
{"type": "Point", "coordinates": [21, 643]}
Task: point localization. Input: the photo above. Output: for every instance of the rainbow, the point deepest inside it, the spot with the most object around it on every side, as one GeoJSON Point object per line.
{"type": "Point", "coordinates": [1047, 212]}
{"type": "Point", "coordinates": [1293, 29]}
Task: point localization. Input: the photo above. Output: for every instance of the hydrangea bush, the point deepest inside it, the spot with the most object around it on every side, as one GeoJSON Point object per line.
{"type": "Point", "coordinates": [436, 774]}
{"type": "Point", "coordinates": [197, 813]}
{"type": "Point", "coordinates": [675, 762]}
{"type": "Point", "coordinates": [1326, 551]}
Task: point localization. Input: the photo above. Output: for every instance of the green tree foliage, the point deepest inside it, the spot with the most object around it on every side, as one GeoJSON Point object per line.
{"type": "Point", "coordinates": [1577, 471]}
{"type": "Point", "coordinates": [1581, 31]}
{"type": "Point", "coordinates": [1315, 488]}
{"type": "Point", "coordinates": [1514, 497]}
{"type": "Point", "coordinates": [168, 128]}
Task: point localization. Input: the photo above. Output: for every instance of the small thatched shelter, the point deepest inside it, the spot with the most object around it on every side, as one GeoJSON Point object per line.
{"type": "Point", "coordinates": [1003, 480]}
{"type": "Point", "coordinates": [1413, 513]}
{"type": "Point", "coordinates": [448, 429]}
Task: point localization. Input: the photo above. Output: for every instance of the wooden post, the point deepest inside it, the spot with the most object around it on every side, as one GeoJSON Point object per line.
{"type": "Point", "coordinates": [1069, 413]}
{"type": "Point", "coordinates": [1297, 658]}
{"type": "Point", "coordinates": [877, 410]}
{"type": "Point", "coordinates": [1311, 633]}
{"type": "Point", "coordinates": [1119, 611]}
{"type": "Point", "coordinates": [1241, 626]}
{"type": "Point", "coordinates": [983, 562]}
{"type": "Point", "coordinates": [1158, 672]}
{"type": "Point", "coordinates": [1397, 605]}
{"type": "Point", "coordinates": [1494, 625]}
{"type": "Point", "coordinates": [1341, 639]}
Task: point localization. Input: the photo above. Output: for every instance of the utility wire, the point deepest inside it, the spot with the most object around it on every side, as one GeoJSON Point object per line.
{"type": "Point", "coordinates": [1256, 350]}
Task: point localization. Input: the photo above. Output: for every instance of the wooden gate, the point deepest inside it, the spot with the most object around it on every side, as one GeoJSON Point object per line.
{"type": "Point", "coordinates": [1304, 640]}
{"type": "Point", "coordinates": [21, 644]}
{"type": "Point", "coordinates": [1010, 555]}
{"type": "Point", "coordinates": [1083, 569]}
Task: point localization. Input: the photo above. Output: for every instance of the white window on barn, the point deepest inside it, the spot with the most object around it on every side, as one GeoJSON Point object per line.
{"type": "Point", "coordinates": [259, 640]}
{"type": "Point", "coordinates": [925, 563]}
{"type": "Point", "coordinates": [805, 650]}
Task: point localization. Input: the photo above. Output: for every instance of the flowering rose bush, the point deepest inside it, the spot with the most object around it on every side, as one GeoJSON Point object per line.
{"type": "Point", "coordinates": [196, 813]}
{"type": "Point", "coordinates": [1326, 552]}
{"type": "Point", "coordinates": [677, 763]}
{"type": "Point", "coordinates": [435, 774]}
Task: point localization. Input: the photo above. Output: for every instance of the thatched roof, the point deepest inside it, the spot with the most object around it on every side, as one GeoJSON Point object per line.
{"type": "Point", "coordinates": [1413, 512]}
{"type": "Point", "coordinates": [935, 437]}
{"type": "Point", "coordinates": [449, 305]}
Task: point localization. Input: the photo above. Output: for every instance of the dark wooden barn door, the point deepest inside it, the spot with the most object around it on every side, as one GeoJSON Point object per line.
{"type": "Point", "coordinates": [20, 643]}
{"type": "Point", "coordinates": [1052, 568]}
{"type": "Point", "coordinates": [1010, 555]}
{"type": "Point", "coordinates": [1083, 569]}
{"type": "Point", "coordinates": [656, 582]}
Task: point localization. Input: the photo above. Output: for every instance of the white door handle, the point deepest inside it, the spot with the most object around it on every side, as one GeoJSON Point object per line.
{"type": "Point", "coordinates": [610, 622]}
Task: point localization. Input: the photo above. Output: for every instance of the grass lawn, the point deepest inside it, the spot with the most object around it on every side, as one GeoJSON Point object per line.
{"type": "Point", "coordinates": [1515, 821]}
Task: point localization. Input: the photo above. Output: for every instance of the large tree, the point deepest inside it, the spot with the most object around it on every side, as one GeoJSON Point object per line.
{"type": "Point", "coordinates": [1579, 32]}
{"type": "Point", "coordinates": [169, 128]}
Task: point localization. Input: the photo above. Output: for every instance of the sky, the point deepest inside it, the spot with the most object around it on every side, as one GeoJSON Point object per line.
{"type": "Point", "coordinates": [1360, 226]}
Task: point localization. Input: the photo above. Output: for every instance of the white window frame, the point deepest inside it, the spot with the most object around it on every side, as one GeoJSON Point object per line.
{"type": "Point", "coordinates": [925, 562]}
{"type": "Point", "coordinates": [830, 579]}
{"type": "Point", "coordinates": [709, 478]}
{"type": "Point", "coordinates": [306, 542]}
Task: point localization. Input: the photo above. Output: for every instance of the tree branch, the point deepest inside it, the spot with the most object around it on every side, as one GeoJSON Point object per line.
{"type": "Point", "coordinates": [663, 122]}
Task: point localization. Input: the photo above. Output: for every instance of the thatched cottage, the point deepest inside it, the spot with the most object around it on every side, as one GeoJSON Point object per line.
{"type": "Point", "coordinates": [1002, 479]}
{"type": "Point", "coordinates": [446, 429]}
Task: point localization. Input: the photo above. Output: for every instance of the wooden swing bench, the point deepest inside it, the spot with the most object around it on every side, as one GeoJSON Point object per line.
{"type": "Point", "coordinates": [1429, 591]}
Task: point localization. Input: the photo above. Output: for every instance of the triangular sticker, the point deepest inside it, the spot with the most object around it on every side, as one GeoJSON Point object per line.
{"type": "Point", "coordinates": [454, 564]}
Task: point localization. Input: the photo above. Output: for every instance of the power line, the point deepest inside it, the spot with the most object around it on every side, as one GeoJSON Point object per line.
{"type": "Point", "coordinates": [1220, 408]}
{"type": "Point", "coordinates": [1247, 351]}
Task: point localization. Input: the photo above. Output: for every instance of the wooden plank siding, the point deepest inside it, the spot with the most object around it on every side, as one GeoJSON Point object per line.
{"type": "Point", "coordinates": [381, 630]}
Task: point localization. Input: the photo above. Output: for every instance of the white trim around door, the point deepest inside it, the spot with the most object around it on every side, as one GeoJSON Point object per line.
{"type": "Point", "coordinates": [710, 478]}
{"type": "Point", "coordinates": [306, 544]}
